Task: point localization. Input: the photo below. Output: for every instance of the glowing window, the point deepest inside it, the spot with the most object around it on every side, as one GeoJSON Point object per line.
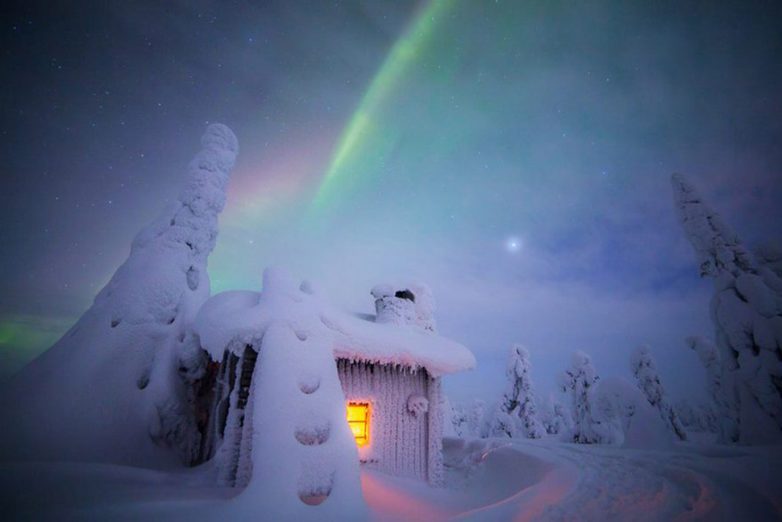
{"type": "Point", "coordinates": [358, 419]}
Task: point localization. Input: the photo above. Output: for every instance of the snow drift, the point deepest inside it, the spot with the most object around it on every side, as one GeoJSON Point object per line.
{"type": "Point", "coordinates": [108, 390]}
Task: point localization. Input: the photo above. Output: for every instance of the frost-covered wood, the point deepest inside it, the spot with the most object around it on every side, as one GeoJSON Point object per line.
{"type": "Point", "coordinates": [398, 441]}
{"type": "Point", "coordinates": [109, 389]}
{"type": "Point", "coordinates": [218, 413]}
{"type": "Point", "coordinates": [435, 435]}
{"type": "Point", "coordinates": [746, 310]}
{"type": "Point", "coordinates": [236, 429]}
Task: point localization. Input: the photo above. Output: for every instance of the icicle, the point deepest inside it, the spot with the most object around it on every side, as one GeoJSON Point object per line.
{"type": "Point", "coordinates": [244, 467]}
{"type": "Point", "coordinates": [228, 453]}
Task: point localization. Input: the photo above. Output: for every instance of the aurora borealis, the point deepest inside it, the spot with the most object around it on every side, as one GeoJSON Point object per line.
{"type": "Point", "coordinates": [406, 141]}
{"type": "Point", "coordinates": [362, 128]}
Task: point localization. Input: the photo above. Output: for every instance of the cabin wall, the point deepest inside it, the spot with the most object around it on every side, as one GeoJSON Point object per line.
{"type": "Point", "coordinates": [398, 440]}
{"type": "Point", "coordinates": [229, 433]}
{"type": "Point", "coordinates": [400, 443]}
{"type": "Point", "coordinates": [435, 424]}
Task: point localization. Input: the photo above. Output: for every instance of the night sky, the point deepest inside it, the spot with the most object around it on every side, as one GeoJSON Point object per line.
{"type": "Point", "coordinates": [515, 156]}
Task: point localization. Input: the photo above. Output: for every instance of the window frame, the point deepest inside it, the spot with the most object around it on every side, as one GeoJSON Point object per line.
{"type": "Point", "coordinates": [366, 422]}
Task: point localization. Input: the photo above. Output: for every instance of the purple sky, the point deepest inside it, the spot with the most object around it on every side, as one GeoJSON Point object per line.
{"type": "Point", "coordinates": [557, 126]}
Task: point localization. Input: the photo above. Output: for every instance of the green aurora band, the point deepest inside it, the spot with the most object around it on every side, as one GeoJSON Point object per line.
{"type": "Point", "coordinates": [363, 126]}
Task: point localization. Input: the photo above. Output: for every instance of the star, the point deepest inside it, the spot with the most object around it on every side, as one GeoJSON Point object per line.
{"type": "Point", "coordinates": [513, 244]}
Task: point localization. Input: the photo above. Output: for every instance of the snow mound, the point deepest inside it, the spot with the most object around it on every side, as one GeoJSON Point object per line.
{"type": "Point", "coordinates": [108, 390]}
{"type": "Point", "coordinates": [304, 458]}
{"type": "Point", "coordinates": [633, 422]}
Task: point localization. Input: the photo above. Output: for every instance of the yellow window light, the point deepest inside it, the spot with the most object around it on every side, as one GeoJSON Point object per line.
{"type": "Point", "coordinates": [358, 420]}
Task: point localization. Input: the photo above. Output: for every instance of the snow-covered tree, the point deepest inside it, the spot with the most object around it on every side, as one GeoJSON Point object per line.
{"type": "Point", "coordinates": [475, 418]}
{"type": "Point", "coordinates": [502, 424]}
{"type": "Point", "coordinates": [424, 307]}
{"type": "Point", "coordinates": [556, 419]}
{"type": "Point", "coordinates": [518, 400]}
{"type": "Point", "coordinates": [467, 418]}
{"type": "Point", "coordinates": [724, 398]}
{"type": "Point", "coordinates": [648, 380]}
{"type": "Point", "coordinates": [110, 386]}
{"type": "Point", "coordinates": [769, 256]}
{"type": "Point", "coordinates": [696, 417]}
{"type": "Point", "coordinates": [746, 310]}
{"type": "Point", "coordinates": [578, 381]}
{"type": "Point", "coordinates": [459, 420]}
{"type": "Point", "coordinates": [625, 418]}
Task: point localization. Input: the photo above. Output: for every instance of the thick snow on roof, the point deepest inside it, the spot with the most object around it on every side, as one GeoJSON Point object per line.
{"type": "Point", "coordinates": [238, 317]}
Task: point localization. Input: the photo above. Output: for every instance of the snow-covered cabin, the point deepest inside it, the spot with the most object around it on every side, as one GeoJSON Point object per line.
{"type": "Point", "coordinates": [389, 366]}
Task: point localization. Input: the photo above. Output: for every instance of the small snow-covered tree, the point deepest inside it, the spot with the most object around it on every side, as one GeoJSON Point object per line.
{"type": "Point", "coordinates": [648, 380]}
{"type": "Point", "coordinates": [696, 417]}
{"type": "Point", "coordinates": [723, 397]}
{"type": "Point", "coordinates": [687, 415]}
{"type": "Point", "coordinates": [556, 418]}
{"type": "Point", "coordinates": [424, 307]}
{"type": "Point", "coordinates": [475, 418]}
{"type": "Point", "coordinates": [547, 419]}
{"type": "Point", "coordinates": [746, 310]}
{"type": "Point", "coordinates": [518, 400]}
{"type": "Point", "coordinates": [459, 420]}
{"type": "Point", "coordinates": [502, 424]}
{"type": "Point", "coordinates": [466, 418]}
{"type": "Point", "coordinates": [578, 381]}
{"type": "Point", "coordinates": [626, 418]}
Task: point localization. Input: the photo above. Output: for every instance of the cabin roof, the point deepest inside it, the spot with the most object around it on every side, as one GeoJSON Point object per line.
{"type": "Point", "coordinates": [231, 319]}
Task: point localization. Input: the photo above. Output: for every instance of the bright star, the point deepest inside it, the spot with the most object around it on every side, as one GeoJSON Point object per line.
{"type": "Point", "coordinates": [513, 244]}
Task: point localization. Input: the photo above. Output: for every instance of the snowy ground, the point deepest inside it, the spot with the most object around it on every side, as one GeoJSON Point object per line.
{"type": "Point", "coordinates": [486, 480]}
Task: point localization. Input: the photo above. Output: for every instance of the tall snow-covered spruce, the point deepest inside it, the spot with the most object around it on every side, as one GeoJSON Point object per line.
{"type": "Point", "coordinates": [648, 380]}
{"type": "Point", "coordinates": [517, 411]}
{"type": "Point", "coordinates": [109, 389]}
{"type": "Point", "coordinates": [746, 310]}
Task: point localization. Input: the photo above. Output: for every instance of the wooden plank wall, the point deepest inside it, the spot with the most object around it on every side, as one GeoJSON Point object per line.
{"type": "Point", "coordinates": [398, 440]}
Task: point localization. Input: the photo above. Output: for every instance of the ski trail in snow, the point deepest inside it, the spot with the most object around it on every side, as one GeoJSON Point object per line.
{"type": "Point", "coordinates": [616, 484]}
{"type": "Point", "coordinates": [486, 480]}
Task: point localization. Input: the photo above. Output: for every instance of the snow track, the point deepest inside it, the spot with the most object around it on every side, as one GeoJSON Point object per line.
{"type": "Point", "coordinates": [486, 480]}
{"type": "Point", "coordinates": [617, 484]}
{"type": "Point", "coordinates": [544, 480]}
